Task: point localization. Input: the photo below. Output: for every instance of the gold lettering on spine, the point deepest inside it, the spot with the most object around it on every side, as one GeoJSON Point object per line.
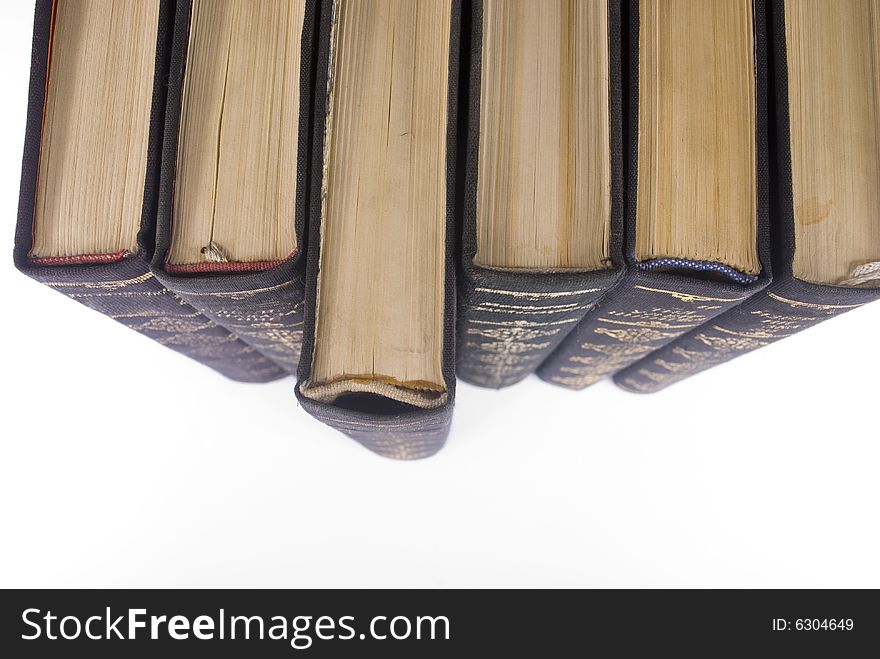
{"type": "Point", "coordinates": [507, 348]}
{"type": "Point", "coordinates": [634, 333]}
{"type": "Point", "coordinates": [762, 327]}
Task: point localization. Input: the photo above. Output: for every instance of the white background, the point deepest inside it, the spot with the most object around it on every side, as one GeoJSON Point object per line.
{"type": "Point", "coordinates": [763, 472]}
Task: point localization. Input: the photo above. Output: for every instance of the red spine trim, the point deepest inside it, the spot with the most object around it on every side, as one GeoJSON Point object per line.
{"type": "Point", "coordinates": [231, 266]}
{"type": "Point", "coordinates": [81, 259]}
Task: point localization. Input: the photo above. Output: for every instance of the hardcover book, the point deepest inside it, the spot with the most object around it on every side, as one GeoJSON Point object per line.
{"type": "Point", "coordinates": [90, 170]}
{"type": "Point", "coordinates": [235, 167]}
{"type": "Point", "coordinates": [826, 232]}
{"type": "Point", "coordinates": [696, 214]}
{"type": "Point", "coordinates": [542, 222]}
{"type": "Point", "coordinates": [378, 349]}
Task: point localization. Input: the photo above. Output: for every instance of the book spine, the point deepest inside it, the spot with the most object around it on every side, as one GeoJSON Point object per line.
{"type": "Point", "coordinates": [265, 312]}
{"type": "Point", "coordinates": [508, 325]}
{"type": "Point", "coordinates": [129, 294]}
{"type": "Point", "coordinates": [782, 309]}
{"type": "Point", "coordinates": [408, 435]}
{"type": "Point", "coordinates": [644, 313]}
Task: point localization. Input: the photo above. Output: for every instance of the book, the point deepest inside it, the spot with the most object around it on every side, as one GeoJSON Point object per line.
{"type": "Point", "coordinates": [378, 346]}
{"type": "Point", "coordinates": [695, 211]}
{"type": "Point", "coordinates": [826, 233]}
{"type": "Point", "coordinates": [235, 167]}
{"type": "Point", "coordinates": [90, 168]}
{"type": "Point", "coordinates": [542, 225]}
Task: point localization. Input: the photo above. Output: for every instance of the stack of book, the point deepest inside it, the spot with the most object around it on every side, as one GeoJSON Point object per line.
{"type": "Point", "coordinates": [379, 196]}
